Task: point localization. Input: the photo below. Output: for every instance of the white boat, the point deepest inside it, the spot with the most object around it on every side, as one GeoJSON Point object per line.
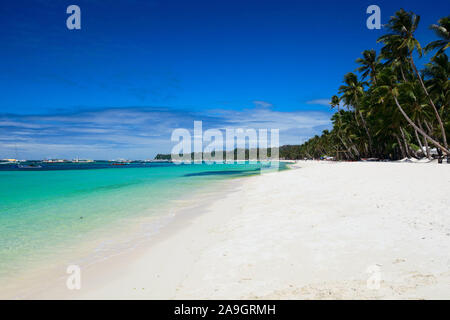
{"type": "Point", "coordinates": [77, 160]}
{"type": "Point", "coordinates": [55, 161]}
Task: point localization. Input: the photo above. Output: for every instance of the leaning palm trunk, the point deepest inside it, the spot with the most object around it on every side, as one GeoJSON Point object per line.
{"type": "Point", "coordinates": [342, 139]}
{"type": "Point", "coordinates": [403, 74]}
{"type": "Point", "coordinates": [354, 147]}
{"type": "Point", "coordinates": [358, 154]}
{"type": "Point", "coordinates": [345, 145]}
{"type": "Point", "coordinates": [367, 130]}
{"type": "Point", "coordinates": [437, 144]}
{"type": "Point", "coordinates": [428, 127]}
{"type": "Point", "coordinates": [405, 142]}
{"type": "Point", "coordinates": [400, 146]}
{"type": "Point", "coordinates": [438, 117]}
{"type": "Point", "coordinates": [426, 142]}
{"type": "Point", "coordinates": [419, 141]}
{"type": "Point", "coordinates": [408, 145]}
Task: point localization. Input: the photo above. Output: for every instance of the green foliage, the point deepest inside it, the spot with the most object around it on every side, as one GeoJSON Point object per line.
{"type": "Point", "coordinates": [398, 109]}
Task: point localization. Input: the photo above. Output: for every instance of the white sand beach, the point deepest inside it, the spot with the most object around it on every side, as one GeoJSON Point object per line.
{"type": "Point", "coordinates": [319, 231]}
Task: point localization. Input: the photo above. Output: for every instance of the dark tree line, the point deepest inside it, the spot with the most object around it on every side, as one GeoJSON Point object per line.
{"type": "Point", "coordinates": [392, 109]}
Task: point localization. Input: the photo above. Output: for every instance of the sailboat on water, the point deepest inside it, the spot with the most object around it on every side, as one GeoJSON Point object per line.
{"type": "Point", "coordinates": [23, 165]}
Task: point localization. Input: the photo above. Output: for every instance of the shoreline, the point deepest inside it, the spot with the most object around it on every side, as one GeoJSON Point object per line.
{"type": "Point", "coordinates": [39, 278]}
{"type": "Point", "coordinates": [172, 217]}
{"type": "Point", "coordinates": [318, 232]}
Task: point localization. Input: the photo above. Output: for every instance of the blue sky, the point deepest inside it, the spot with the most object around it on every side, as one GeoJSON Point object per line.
{"type": "Point", "coordinates": [138, 69]}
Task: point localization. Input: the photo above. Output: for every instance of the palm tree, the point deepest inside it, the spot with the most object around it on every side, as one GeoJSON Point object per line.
{"type": "Point", "coordinates": [343, 135]}
{"type": "Point", "coordinates": [442, 30]}
{"type": "Point", "coordinates": [352, 92]}
{"type": "Point", "coordinates": [395, 56]}
{"type": "Point", "coordinates": [369, 65]}
{"type": "Point", "coordinates": [412, 97]}
{"type": "Point", "coordinates": [400, 108]}
{"type": "Point", "coordinates": [404, 25]}
{"type": "Point", "coordinates": [437, 74]}
{"type": "Point", "coordinates": [335, 101]}
{"type": "Point", "coordinates": [391, 87]}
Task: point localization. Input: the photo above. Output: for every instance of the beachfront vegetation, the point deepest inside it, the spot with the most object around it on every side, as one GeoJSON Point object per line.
{"type": "Point", "coordinates": [388, 108]}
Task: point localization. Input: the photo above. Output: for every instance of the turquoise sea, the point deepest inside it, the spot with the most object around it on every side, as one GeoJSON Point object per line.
{"type": "Point", "coordinates": [50, 212]}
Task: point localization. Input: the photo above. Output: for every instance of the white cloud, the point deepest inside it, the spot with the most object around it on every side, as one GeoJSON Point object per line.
{"type": "Point", "coordinates": [322, 102]}
{"type": "Point", "coordinates": [139, 132]}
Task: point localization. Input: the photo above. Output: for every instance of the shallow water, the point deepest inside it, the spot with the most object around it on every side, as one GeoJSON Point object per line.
{"type": "Point", "coordinates": [52, 211]}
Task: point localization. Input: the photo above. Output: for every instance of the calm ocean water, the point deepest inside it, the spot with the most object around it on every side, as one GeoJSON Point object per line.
{"type": "Point", "coordinates": [52, 211]}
